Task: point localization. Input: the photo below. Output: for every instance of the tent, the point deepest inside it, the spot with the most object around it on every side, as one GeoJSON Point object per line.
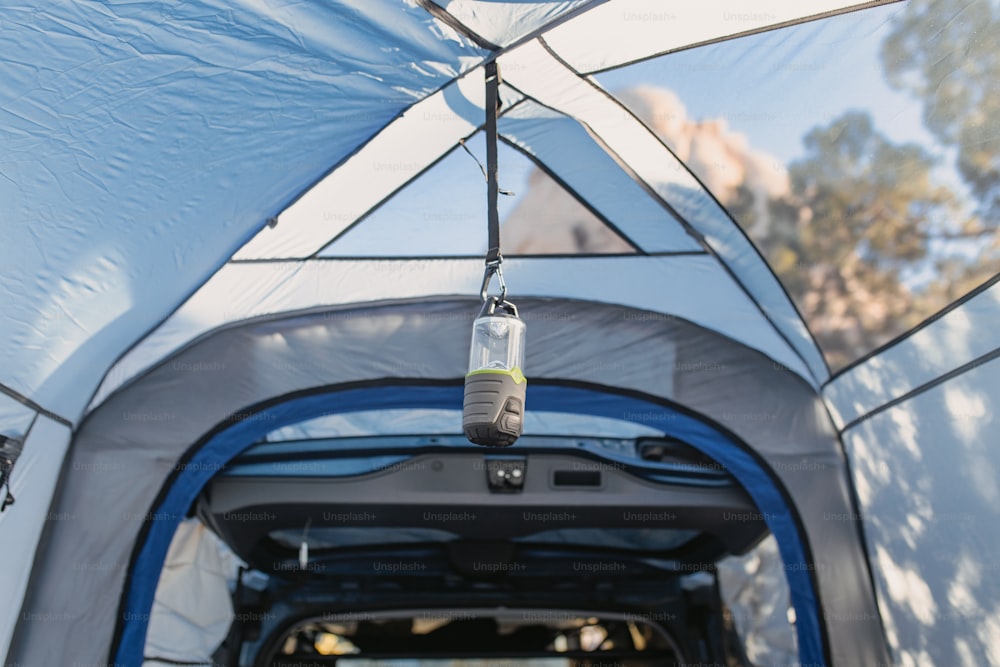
{"type": "Point", "coordinates": [184, 269]}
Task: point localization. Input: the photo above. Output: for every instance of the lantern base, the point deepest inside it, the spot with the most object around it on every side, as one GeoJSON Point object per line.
{"type": "Point", "coordinates": [493, 409]}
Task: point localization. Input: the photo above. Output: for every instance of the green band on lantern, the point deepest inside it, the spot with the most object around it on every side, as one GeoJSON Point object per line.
{"type": "Point", "coordinates": [515, 373]}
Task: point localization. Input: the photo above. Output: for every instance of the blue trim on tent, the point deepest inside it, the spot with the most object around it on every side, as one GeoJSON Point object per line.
{"type": "Point", "coordinates": [228, 443]}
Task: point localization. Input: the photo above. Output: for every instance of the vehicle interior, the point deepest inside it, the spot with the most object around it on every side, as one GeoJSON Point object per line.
{"type": "Point", "coordinates": [426, 550]}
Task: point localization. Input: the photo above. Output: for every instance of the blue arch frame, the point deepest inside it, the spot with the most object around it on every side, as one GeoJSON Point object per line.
{"type": "Point", "coordinates": [226, 442]}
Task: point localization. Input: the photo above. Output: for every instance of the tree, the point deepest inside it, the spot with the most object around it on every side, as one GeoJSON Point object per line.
{"type": "Point", "coordinates": [855, 227]}
{"type": "Point", "coordinates": [867, 243]}
{"type": "Point", "coordinates": [945, 53]}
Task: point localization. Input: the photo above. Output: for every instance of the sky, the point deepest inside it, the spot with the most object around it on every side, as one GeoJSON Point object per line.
{"type": "Point", "coordinates": [776, 86]}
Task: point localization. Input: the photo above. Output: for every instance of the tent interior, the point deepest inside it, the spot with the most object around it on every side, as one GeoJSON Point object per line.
{"type": "Point", "coordinates": [756, 252]}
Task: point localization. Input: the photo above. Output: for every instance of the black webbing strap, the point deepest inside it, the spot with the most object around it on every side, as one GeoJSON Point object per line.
{"type": "Point", "coordinates": [493, 255]}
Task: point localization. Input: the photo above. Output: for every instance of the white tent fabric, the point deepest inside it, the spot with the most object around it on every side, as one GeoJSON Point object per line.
{"type": "Point", "coordinates": [122, 116]}
{"type": "Point", "coordinates": [193, 608]}
{"type": "Point", "coordinates": [15, 417]}
{"type": "Point", "coordinates": [374, 172]}
{"type": "Point", "coordinates": [762, 613]}
{"type": "Point", "coordinates": [931, 517]}
{"type": "Point", "coordinates": [922, 438]}
{"type": "Point", "coordinates": [503, 23]}
{"type": "Point", "coordinates": [954, 339]}
{"type": "Point", "coordinates": [648, 27]}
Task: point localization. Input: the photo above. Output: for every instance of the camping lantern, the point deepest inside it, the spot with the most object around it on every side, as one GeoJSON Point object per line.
{"type": "Point", "coordinates": [493, 409]}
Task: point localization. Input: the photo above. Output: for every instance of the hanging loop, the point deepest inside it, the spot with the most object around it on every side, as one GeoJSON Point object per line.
{"type": "Point", "coordinates": [494, 259]}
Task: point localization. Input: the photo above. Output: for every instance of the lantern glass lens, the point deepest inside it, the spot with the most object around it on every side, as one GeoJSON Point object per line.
{"type": "Point", "coordinates": [497, 343]}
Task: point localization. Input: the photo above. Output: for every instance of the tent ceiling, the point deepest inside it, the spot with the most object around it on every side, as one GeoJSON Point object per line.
{"type": "Point", "coordinates": [144, 145]}
{"type": "Point", "coordinates": [400, 152]}
{"type": "Point", "coordinates": [503, 22]}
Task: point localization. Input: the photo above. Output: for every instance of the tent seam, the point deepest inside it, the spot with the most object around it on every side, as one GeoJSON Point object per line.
{"type": "Point", "coordinates": [434, 258]}
{"type": "Point", "coordinates": [626, 167]}
{"type": "Point", "coordinates": [575, 194]}
{"type": "Point", "coordinates": [926, 386]}
{"type": "Point", "coordinates": [747, 33]}
{"type": "Point", "coordinates": [781, 288]}
{"type": "Point", "coordinates": [324, 309]}
{"type": "Point", "coordinates": [38, 409]}
{"type": "Point", "coordinates": [926, 322]}
{"type": "Point", "coordinates": [441, 14]}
